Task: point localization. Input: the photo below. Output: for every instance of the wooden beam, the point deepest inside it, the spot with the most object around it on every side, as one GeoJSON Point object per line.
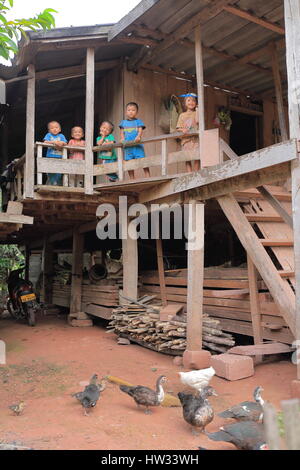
{"type": "Point", "coordinates": [254, 19]}
{"type": "Point", "coordinates": [195, 276]}
{"type": "Point", "coordinates": [279, 94]}
{"type": "Point", "coordinates": [254, 305]}
{"type": "Point", "coordinates": [201, 17]}
{"type": "Point", "coordinates": [77, 264]}
{"type": "Point", "coordinates": [89, 120]}
{"type": "Point", "coordinates": [292, 27]}
{"type": "Point", "coordinates": [260, 159]}
{"type": "Point", "coordinates": [30, 123]}
{"type": "Point", "coordinates": [75, 70]}
{"type": "Point", "coordinates": [279, 289]}
{"type": "Point", "coordinates": [265, 50]}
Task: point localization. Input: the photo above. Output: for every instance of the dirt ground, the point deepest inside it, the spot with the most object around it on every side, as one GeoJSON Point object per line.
{"type": "Point", "coordinates": [48, 363]}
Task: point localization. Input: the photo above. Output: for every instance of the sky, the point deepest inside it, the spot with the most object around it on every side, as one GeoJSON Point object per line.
{"type": "Point", "coordinates": [72, 13]}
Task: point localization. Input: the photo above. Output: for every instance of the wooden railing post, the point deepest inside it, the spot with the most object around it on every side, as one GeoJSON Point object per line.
{"type": "Point", "coordinates": [65, 177]}
{"type": "Point", "coordinates": [30, 123]}
{"type": "Point", "coordinates": [39, 155]}
{"type": "Point", "coordinates": [89, 120]}
{"type": "Point", "coordinates": [164, 157]}
{"type": "Point", "coordinates": [120, 163]}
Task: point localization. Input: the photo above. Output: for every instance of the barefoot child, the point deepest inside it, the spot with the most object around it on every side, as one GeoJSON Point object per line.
{"type": "Point", "coordinates": [55, 137]}
{"type": "Point", "coordinates": [131, 131]}
{"type": "Point", "coordinates": [77, 135]}
{"type": "Point", "coordinates": [189, 122]}
{"type": "Point", "coordinates": [105, 138]}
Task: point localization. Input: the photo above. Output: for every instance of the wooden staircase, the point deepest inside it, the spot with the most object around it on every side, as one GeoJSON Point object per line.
{"type": "Point", "coordinates": [262, 221]}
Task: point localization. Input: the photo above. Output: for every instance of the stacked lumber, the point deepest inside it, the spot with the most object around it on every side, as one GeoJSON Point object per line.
{"type": "Point", "coordinates": [226, 298]}
{"type": "Point", "coordinates": [98, 300]}
{"type": "Point", "coordinates": [142, 325]}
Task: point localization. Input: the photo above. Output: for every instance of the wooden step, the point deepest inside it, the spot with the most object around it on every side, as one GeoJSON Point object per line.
{"type": "Point", "coordinates": [276, 242]}
{"type": "Point", "coordinates": [286, 273]}
{"type": "Point", "coordinates": [263, 218]}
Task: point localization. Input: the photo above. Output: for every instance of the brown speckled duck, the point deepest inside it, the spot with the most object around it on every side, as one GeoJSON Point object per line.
{"type": "Point", "coordinates": [144, 395]}
{"type": "Point", "coordinates": [197, 411]}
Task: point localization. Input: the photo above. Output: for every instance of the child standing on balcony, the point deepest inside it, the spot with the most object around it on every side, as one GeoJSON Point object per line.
{"type": "Point", "coordinates": [105, 138]}
{"type": "Point", "coordinates": [131, 131]}
{"type": "Point", "coordinates": [77, 135]}
{"type": "Point", "coordinates": [55, 137]}
{"type": "Point", "coordinates": [189, 122]}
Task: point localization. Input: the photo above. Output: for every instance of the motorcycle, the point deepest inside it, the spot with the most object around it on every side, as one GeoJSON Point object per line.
{"type": "Point", "coordinates": [22, 303]}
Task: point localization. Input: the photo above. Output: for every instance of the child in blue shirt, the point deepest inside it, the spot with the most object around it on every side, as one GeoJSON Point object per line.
{"type": "Point", "coordinates": [55, 137]}
{"type": "Point", "coordinates": [131, 131]}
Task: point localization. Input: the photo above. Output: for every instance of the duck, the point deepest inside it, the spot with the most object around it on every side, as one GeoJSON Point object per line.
{"type": "Point", "coordinates": [90, 395]}
{"type": "Point", "coordinates": [247, 410]}
{"type": "Point", "coordinates": [197, 379]}
{"type": "Point", "coordinates": [245, 435]}
{"type": "Point", "coordinates": [197, 411]}
{"type": "Point", "coordinates": [146, 396]}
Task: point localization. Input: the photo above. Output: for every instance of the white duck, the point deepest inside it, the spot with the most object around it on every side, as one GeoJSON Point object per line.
{"type": "Point", "coordinates": [197, 379]}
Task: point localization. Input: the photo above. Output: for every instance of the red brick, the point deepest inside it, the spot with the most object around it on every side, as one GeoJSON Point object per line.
{"type": "Point", "coordinates": [296, 389]}
{"type": "Point", "coordinates": [81, 323]}
{"type": "Point", "coordinates": [196, 360]}
{"type": "Point", "coordinates": [232, 367]}
{"type": "Point", "coordinates": [178, 361]}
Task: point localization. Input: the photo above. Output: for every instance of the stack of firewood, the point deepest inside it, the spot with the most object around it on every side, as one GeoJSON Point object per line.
{"type": "Point", "coordinates": [142, 324]}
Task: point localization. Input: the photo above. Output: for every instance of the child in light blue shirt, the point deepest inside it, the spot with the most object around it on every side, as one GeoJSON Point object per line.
{"type": "Point", "coordinates": [55, 137]}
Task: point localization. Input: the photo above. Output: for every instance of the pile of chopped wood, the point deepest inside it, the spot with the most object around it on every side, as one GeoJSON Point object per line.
{"type": "Point", "coordinates": [142, 324]}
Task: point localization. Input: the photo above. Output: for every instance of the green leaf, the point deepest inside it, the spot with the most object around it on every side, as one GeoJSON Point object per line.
{"type": "Point", "coordinates": [4, 52]}
{"type": "Point", "coordinates": [3, 19]}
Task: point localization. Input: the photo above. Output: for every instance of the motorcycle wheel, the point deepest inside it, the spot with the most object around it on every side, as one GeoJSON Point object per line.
{"type": "Point", "coordinates": [12, 311]}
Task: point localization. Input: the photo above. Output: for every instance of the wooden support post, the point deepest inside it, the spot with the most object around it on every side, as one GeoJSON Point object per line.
{"type": "Point", "coordinates": [161, 271]}
{"type": "Point", "coordinates": [292, 28]}
{"type": "Point", "coordinates": [279, 95]}
{"type": "Point", "coordinates": [254, 305]}
{"type": "Point", "coordinates": [193, 356]}
{"type": "Point", "coordinates": [77, 264]}
{"type": "Point", "coordinates": [291, 418]}
{"type": "Point", "coordinates": [30, 123]}
{"type": "Point", "coordinates": [47, 262]}
{"type": "Point", "coordinates": [200, 85]}
{"type": "Point", "coordinates": [89, 120]}
{"type": "Point", "coordinates": [130, 257]}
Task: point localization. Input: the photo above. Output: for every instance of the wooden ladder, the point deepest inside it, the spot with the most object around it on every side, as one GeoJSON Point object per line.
{"type": "Point", "coordinates": [263, 226]}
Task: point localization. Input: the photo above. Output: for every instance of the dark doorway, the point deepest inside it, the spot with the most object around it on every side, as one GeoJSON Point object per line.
{"type": "Point", "coordinates": [243, 133]}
